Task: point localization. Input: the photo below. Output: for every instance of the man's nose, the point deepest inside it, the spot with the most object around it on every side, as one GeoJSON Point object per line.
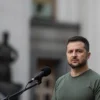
{"type": "Point", "coordinates": [74, 54]}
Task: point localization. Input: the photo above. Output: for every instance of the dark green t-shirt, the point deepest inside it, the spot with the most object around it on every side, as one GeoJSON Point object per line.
{"type": "Point", "coordinates": [83, 87]}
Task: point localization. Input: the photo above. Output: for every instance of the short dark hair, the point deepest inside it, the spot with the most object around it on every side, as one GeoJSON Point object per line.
{"type": "Point", "coordinates": [81, 39]}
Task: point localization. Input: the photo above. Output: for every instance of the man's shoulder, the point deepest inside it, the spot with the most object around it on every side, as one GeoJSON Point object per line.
{"type": "Point", "coordinates": [94, 79]}
{"type": "Point", "coordinates": [94, 75]}
{"type": "Point", "coordinates": [63, 76]}
{"type": "Point", "coordinates": [61, 79]}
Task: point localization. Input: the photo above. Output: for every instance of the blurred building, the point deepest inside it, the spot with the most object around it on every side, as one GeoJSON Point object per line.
{"type": "Point", "coordinates": [39, 31]}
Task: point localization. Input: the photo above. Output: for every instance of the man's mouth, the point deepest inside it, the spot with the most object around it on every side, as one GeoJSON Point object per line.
{"type": "Point", "coordinates": [74, 60]}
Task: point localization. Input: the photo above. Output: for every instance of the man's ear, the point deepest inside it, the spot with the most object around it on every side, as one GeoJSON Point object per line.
{"type": "Point", "coordinates": [89, 54]}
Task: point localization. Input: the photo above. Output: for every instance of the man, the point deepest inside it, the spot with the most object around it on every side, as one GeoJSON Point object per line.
{"type": "Point", "coordinates": [81, 83]}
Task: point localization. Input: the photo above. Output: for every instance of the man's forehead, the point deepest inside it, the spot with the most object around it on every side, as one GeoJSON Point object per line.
{"type": "Point", "coordinates": [77, 44]}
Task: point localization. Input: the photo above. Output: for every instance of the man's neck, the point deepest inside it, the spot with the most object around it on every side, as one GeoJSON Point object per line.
{"type": "Point", "coordinates": [78, 71]}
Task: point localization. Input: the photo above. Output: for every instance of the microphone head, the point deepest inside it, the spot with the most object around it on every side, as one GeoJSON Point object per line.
{"type": "Point", "coordinates": [46, 71]}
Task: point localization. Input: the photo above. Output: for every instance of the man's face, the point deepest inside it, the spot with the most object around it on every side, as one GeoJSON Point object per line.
{"type": "Point", "coordinates": [77, 55]}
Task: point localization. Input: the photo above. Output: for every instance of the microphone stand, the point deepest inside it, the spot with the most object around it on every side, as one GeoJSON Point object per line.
{"type": "Point", "coordinates": [20, 92]}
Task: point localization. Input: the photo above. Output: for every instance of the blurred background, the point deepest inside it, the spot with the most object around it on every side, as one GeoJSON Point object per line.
{"type": "Point", "coordinates": [33, 34]}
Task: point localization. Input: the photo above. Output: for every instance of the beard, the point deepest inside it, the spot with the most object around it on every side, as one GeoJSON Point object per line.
{"type": "Point", "coordinates": [79, 65]}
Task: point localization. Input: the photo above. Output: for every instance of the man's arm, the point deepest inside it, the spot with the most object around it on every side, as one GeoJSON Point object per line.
{"type": "Point", "coordinates": [97, 89]}
{"type": "Point", "coordinates": [58, 84]}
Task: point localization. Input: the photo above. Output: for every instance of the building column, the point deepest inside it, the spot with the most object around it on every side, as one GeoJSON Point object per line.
{"type": "Point", "coordinates": [90, 28]}
{"type": "Point", "coordinates": [14, 17]}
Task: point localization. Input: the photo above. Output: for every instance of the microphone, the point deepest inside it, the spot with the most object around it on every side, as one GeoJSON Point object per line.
{"type": "Point", "coordinates": [44, 72]}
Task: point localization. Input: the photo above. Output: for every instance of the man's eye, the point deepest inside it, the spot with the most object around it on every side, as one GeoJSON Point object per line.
{"type": "Point", "coordinates": [70, 51]}
{"type": "Point", "coordinates": [80, 51]}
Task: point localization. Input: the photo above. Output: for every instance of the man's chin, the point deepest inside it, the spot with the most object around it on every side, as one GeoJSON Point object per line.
{"type": "Point", "coordinates": [77, 65]}
{"type": "Point", "coordinates": [74, 66]}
